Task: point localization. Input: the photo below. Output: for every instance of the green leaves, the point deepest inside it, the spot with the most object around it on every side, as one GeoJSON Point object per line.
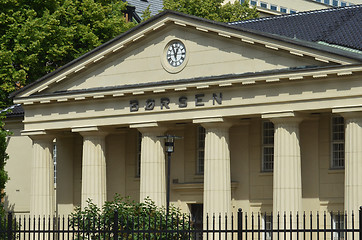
{"type": "Point", "coordinates": [37, 37]}
{"type": "Point", "coordinates": [213, 9]}
{"type": "Point", "coordinates": [145, 220]}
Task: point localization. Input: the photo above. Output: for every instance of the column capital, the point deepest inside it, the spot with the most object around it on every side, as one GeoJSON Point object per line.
{"type": "Point", "coordinates": [152, 127]}
{"type": "Point", "coordinates": [349, 112]}
{"type": "Point", "coordinates": [38, 136]}
{"type": "Point", "coordinates": [283, 117]}
{"type": "Point", "coordinates": [90, 131]}
{"type": "Point", "coordinates": [214, 122]}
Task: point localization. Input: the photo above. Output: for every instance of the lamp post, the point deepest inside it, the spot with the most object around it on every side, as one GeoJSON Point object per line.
{"type": "Point", "coordinates": [169, 148]}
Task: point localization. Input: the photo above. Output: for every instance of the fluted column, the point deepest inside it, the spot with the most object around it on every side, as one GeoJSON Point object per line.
{"type": "Point", "coordinates": [217, 179]}
{"type": "Point", "coordinates": [153, 175]}
{"type": "Point", "coordinates": [353, 164]}
{"type": "Point", "coordinates": [94, 168]}
{"type": "Point", "coordinates": [287, 181]}
{"type": "Point", "coordinates": [42, 177]}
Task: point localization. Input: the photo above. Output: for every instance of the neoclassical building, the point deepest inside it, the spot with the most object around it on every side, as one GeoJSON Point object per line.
{"type": "Point", "coordinates": [268, 123]}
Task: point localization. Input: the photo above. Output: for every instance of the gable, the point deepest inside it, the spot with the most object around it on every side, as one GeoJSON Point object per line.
{"type": "Point", "coordinates": [212, 50]}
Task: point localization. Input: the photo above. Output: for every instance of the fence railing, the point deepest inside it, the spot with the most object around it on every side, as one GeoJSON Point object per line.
{"type": "Point", "coordinates": [244, 225]}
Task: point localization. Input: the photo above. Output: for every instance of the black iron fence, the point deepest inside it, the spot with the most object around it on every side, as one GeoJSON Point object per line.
{"type": "Point", "coordinates": [246, 226]}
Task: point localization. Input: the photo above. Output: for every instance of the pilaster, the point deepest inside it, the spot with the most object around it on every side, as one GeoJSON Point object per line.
{"type": "Point", "coordinates": [64, 170]}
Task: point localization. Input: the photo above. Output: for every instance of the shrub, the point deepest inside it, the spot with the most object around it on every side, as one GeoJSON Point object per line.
{"type": "Point", "coordinates": [131, 219]}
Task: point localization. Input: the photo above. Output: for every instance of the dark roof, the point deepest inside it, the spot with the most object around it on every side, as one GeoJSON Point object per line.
{"type": "Point", "coordinates": [338, 26]}
{"type": "Point", "coordinates": [14, 111]}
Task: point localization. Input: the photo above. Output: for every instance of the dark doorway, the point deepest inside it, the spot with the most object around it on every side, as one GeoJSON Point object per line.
{"type": "Point", "coordinates": [196, 217]}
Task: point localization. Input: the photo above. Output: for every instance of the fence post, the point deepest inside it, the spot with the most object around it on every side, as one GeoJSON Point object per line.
{"type": "Point", "coordinates": [115, 226]}
{"type": "Point", "coordinates": [240, 224]}
{"type": "Point", "coordinates": [10, 225]}
{"type": "Point", "coordinates": [360, 223]}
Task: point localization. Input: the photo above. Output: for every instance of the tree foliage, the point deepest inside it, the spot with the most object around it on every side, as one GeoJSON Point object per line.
{"type": "Point", "coordinates": [145, 219]}
{"type": "Point", "coordinates": [3, 156]}
{"type": "Point", "coordinates": [38, 36]}
{"type": "Point", "coordinates": [213, 9]}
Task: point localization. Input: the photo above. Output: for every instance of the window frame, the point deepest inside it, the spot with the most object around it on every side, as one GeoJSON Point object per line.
{"type": "Point", "coordinates": [269, 145]}
{"type": "Point", "coordinates": [264, 5]}
{"type": "Point", "coordinates": [336, 142]}
{"type": "Point", "coordinates": [200, 149]}
{"type": "Point", "coordinates": [138, 154]}
{"type": "Point", "coordinates": [267, 223]}
{"type": "Point", "coordinates": [338, 223]}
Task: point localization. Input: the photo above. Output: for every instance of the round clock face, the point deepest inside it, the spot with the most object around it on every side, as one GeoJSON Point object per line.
{"type": "Point", "coordinates": [176, 53]}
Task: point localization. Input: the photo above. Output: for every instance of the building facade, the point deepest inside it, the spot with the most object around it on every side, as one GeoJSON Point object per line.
{"type": "Point", "coordinates": [277, 7]}
{"type": "Point", "coordinates": [268, 123]}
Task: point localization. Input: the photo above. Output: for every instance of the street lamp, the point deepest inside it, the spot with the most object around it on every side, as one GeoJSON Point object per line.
{"type": "Point", "coordinates": [169, 148]}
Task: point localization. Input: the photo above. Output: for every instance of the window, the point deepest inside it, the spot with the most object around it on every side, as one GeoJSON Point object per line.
{"type": "Point", "coordinates": [326, 2]}
{"type": "Point", "coordinates": [138, 165]}
{"type": "Point", "coordinates": [335, 3]}
{"type": "Point", "coordinates": [200, 150]}
{"type": "Point", "coordinates": [253, 3]}
{"type": "Point", "coordinates": [268, 146]}
{"type": "Point", "coordinates": [273, 7]}
{"type": "Point", "coordinates": [337, 142]}
{"type": "Point", "coordinates": [293, 11]}
{"type": "Point", "coordinates": [55, 163]}
{"type": "Point", "coordinates": [283, 10]}
{"type": "Point", "coordinates": [267, 225]}
{"type": "Point", "coordinates": [318, 0]}
{"type": "Point", "coordinates": [263, 5]}
{"type": "Point", "coordinates": [343, 4]}
{"type": "Point", "coordinates": [338, 224]}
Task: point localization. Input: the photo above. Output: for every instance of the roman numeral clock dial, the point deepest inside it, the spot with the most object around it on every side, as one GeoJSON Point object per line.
{"type": "Point", "coordinates": [176, 53]}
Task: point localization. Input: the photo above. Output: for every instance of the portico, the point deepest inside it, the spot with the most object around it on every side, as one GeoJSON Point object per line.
{"type": "Point", "coordinates": [104, 114]}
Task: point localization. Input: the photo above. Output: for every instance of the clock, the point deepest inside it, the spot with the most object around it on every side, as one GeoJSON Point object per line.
{"type": "Point", "coordinates": [176, 53]}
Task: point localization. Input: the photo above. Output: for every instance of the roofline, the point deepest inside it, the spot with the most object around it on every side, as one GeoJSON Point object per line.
{"type": "Point", "coordinates": [170, 12]}
{"type": "Point", "coordinates": [190, 80]}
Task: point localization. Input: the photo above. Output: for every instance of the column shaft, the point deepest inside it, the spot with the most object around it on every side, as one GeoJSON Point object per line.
{"type": "Point", "coordinates": [42, 180]}
{"type": "Point", "coordinates": [94, 169]}
{"type": "Point", "coordinates": [353, 165]}
{"type": "Point", "coordinates": [287, 184]}
{"type": "Point", "coordinates": [217, 179]}
{"type": "Point", "coordinates": [153, 175]}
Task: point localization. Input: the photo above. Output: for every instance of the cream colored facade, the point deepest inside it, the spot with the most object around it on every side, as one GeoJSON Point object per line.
{"type": "Point", "coordinates": [268, 8]}
{"type": "Point", "coordinates": [232, 82]}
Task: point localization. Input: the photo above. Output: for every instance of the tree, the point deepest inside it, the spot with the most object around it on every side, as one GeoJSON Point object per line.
{"type": "Point", "coordinates": [213, 9]}
{"type": "Point", "coordinates": [145, 219]}
{"type": "Point", "coordinates": [3, 155]}
{"type": "Point", "coordinates": [39, 36]}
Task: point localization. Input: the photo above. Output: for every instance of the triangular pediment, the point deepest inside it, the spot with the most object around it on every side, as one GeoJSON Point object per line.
{"type": "Point", "coordinates": [139, 57]}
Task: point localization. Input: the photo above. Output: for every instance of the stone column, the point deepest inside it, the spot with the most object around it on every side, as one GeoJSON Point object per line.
{"type": "Point", "coordinates": [287, 180]}
{"type": "Point", "coordinates": [42, 177]}
{"type": "Point", "coordinates": [353, 165]}
{"type": "Point", "coordinates": [153, 175]}
{"type": "Point", "coordinates": [217, 178]}
{"type": "Point", "coordinates": [94, 185]}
